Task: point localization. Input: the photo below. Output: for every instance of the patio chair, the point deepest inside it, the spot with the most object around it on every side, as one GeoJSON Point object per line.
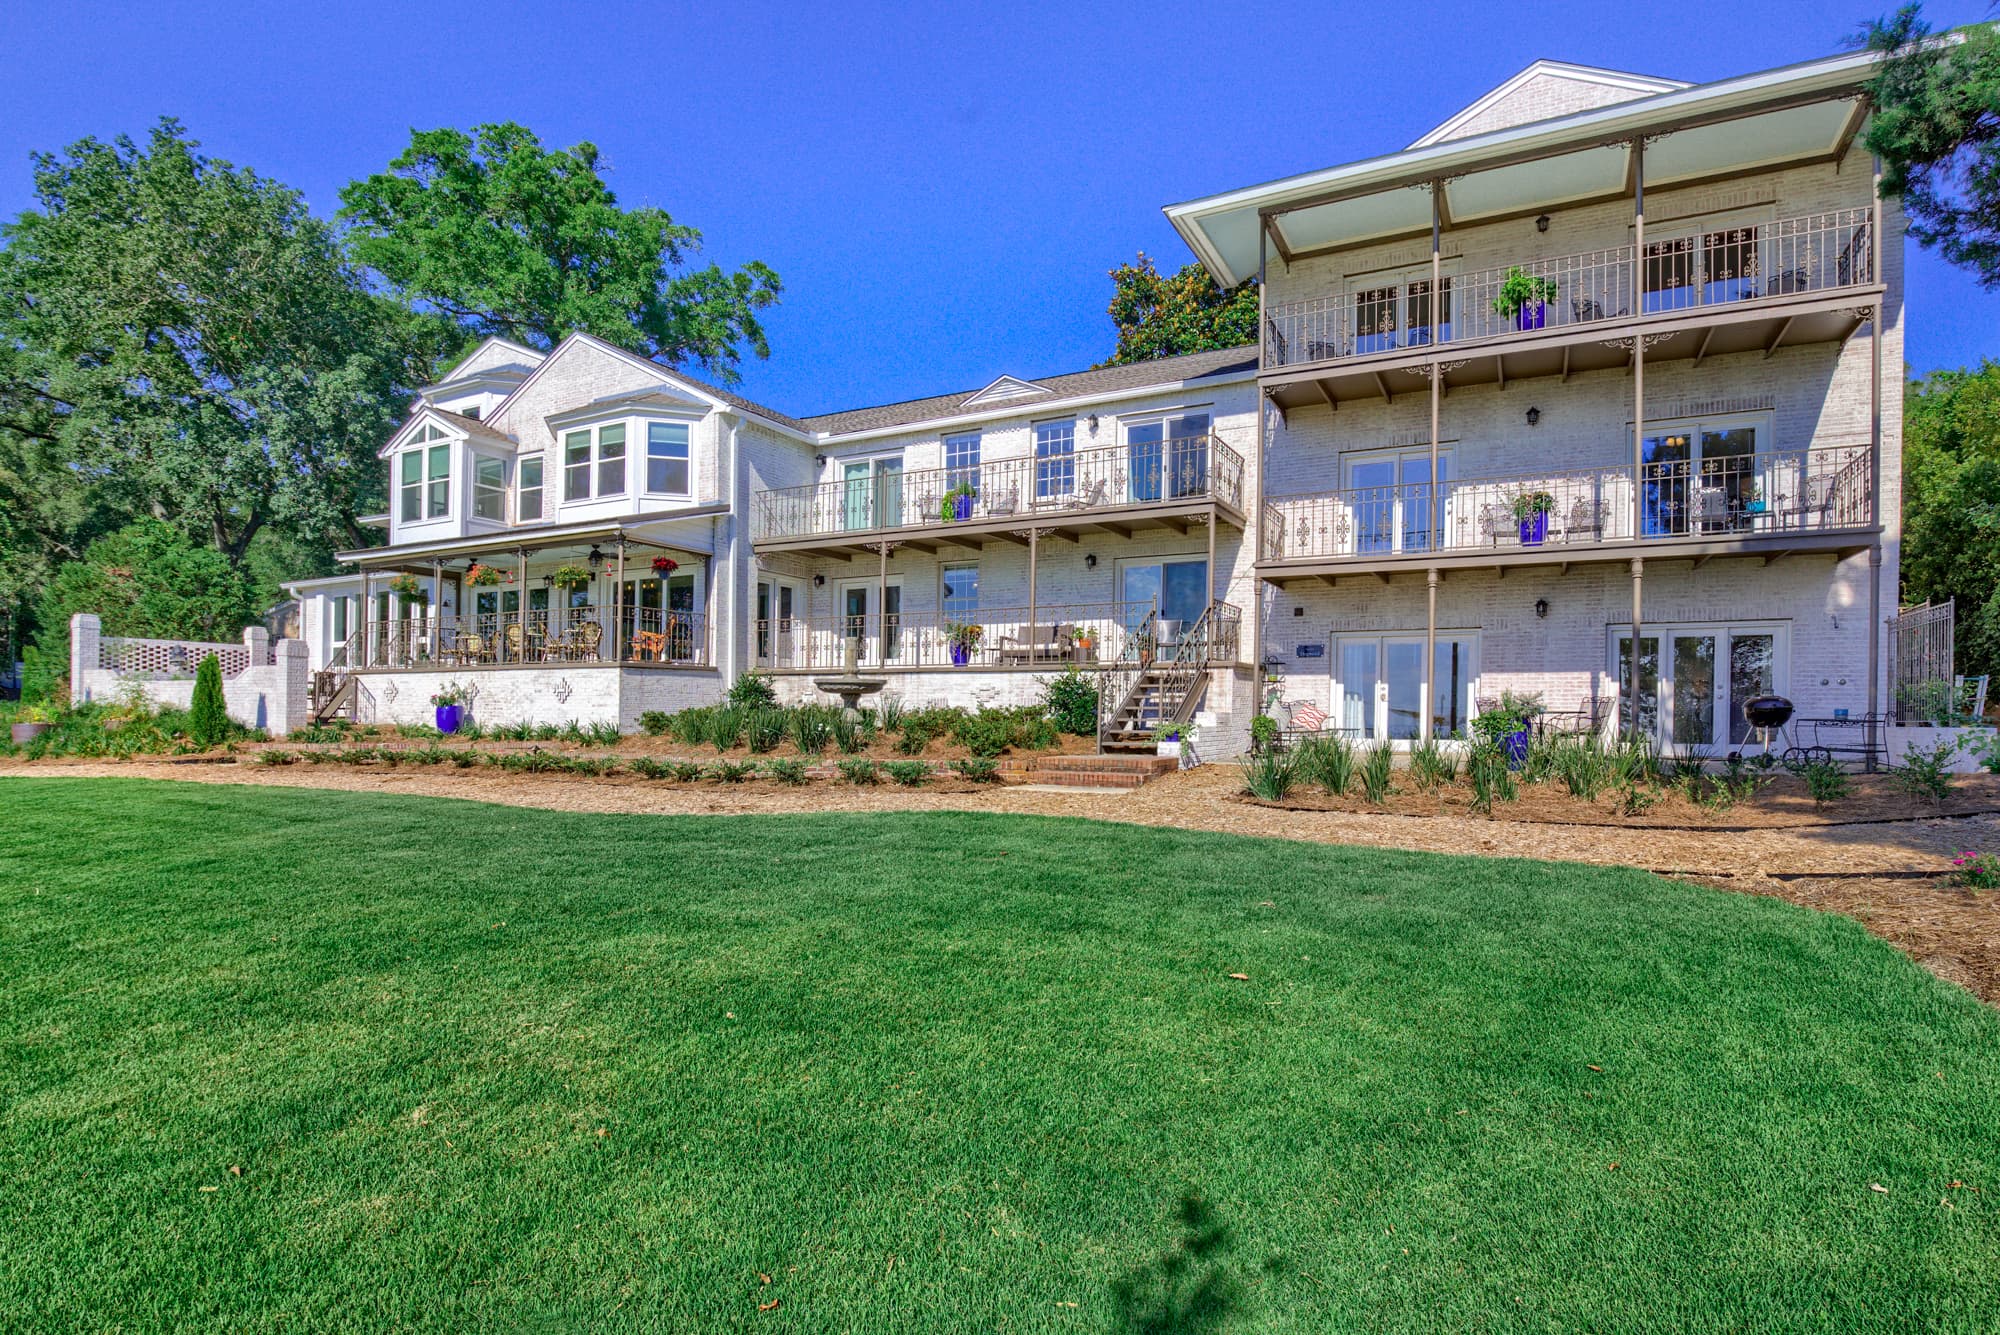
{"type": "Point", "coordinates": [1496, 522]}
{"type": "Point", "coordinates": [1711, 509]}
{"type": "Point", "coordinates": [1002, 502]}
{"type": "Point", "coordinates": [1090, 498]}
{"type": "Point", "coordinates": [589, 635]}
{"type": "Point", "coordinates": [515, 642]}
{"type": "Point", "coordinates": [472, 647]}
{"type": "Point", "coordinates": [1585, 521]}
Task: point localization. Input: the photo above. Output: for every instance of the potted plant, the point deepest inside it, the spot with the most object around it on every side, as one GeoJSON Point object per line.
{"type": "Point", "coordinates": [1507, 724]}
{"type": "Point", "coordinates": [30, 722]}
{"type": "Point", "coordinates": [964, 639]}
{"type": "Point", "coordinates": [571, 577]}
{"type": "Point", "coordinates": [449, 702]}
{"type": "Point", "coordinates": [664, 566]}
{"type": "Point", "coordinates": [409, 588]}
{"type": "Point", "coordinates": [1174, 740]}
{"type": "Point", "coordinates": [482, 576]}
{"type": "Point", "coordinates": [1753, 498]}
{"type": "Point", "coordinates": [1524, 298]}
{"type": "Point", "coordinates": [1085, 640]}
{"type": "Point", "coordinates": [1531, 512]}
{"type": "Point", "coordinates": [957, 505]}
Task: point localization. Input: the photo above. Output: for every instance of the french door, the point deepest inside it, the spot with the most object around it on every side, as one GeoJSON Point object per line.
{"type": "Point", "coordinates": [1702, 477]}
{"type": "Point", "coordinates": [859, 615]}
{"type": "Point", "coordinates": [1695, 680]}
{"type": "Point", "coordinates": [777, 603]}
{"type": "Point", "coordinates": [1168, 457]}
{"type": "Point", "coordinates": [1380, 687]}
{"type": "Point", "coordinates": [871, 493]}
{"type": "Point", "coordinates": [1395, 508]}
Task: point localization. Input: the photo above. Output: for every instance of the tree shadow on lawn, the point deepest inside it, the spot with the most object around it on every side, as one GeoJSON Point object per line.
{"type": "Point", "coordinates": [1189, 1288]}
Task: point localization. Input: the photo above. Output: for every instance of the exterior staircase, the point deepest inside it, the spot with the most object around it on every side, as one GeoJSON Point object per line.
{"type": "Point", "coordinates": [333, 696]}
{"type": "Point", "coordinates": [1165, 690]}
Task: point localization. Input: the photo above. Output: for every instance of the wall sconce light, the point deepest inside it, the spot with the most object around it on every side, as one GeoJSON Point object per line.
{"type": "Point", "coordinates": [819, 461]}
{"type": "Point", "coordinates": [819, 581]}
{"type": "Point", "coordinates": [1541, 607]}
{"type": "Point", "coordinates": [1534, 416]}
{"type": "Point", "coordinates": [1542, 223]}
{"type": "Point", "coordinates": [1090, 561]}
{"type": "Point", "coordinates": [1298, 611]}
{"type": "Point", "coordinates": [596, 558]}
{"type": "Point", "coordinates": [1093, 424]}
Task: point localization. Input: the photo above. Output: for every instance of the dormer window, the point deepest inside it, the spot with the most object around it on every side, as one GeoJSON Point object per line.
{"type": "Point", "coordinates": [605, 464]}
{"type": "Point", "coordinates": [489, 487]}
{"type": "Point", "coordinates": [425, 481]}
{"type": "Point", "coordinates": [470, 410]}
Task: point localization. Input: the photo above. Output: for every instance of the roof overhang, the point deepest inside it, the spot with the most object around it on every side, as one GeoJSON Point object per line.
{"type": "Point", "coordinates": [633, 527]}
{"type": "Point", "coordinates": [1799, 113]}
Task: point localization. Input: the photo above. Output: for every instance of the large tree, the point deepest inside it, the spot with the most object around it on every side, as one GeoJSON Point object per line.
{"type": "Point", "coordinates": [507, 237]}
{"type": "Point", "coordinates": [185, 340]}
{"type": "Point", "coordinates": [1936, 127]}
{"type": "Point", "coordinates": [1951, 504]}
{"type": "Point", "coordinates": [1187, 311]}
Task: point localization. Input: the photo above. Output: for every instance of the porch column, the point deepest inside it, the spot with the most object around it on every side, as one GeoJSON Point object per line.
{"type": "Point", "coordinates": [367, 627]}
{"type": "Point", "coordinates": [521, 579]}
{"type": "Point", "coordinates": [1638, 357]}
{"type": "Point", "coordinates": [1426, 718]}
{"type": "Point", "coordinates": [1257, 516]}
{"type": "Point", "coordinates": [1437, 368]}
{"type": "Point", "coordinates": [1034, 536]}
{"type": "Point", "coordinates": [882, 606]}
{"type": "Point", "coordinates": [618, 607]}
{"type": "Point", "coordinates": [437, 606]}
{"type": "Point", "coordinates": [1211, 557]}
{"type": "Point", "coordinates": [1631, 727]}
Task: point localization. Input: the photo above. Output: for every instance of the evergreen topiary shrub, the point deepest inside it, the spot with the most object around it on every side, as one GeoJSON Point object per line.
{"type": "Point", "coordinates": [208, 716]}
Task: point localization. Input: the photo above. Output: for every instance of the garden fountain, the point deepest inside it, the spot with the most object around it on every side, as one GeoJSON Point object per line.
{"type": "Point", "coordinates": [850, 685]}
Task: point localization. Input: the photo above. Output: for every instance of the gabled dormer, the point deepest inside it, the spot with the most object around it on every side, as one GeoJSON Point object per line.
{"type": "Point", "coordinates": [1005, 390]}
{"type": "Point", "coordinates": [484, 378]}
{"type": "Point", "coordinates": [449, 475]}
{"type": "Point", "coordinates": [634, 451]}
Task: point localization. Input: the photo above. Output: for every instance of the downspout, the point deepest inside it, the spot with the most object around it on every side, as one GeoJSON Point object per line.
{"type": "Point", "coordinates": [1875, 621]}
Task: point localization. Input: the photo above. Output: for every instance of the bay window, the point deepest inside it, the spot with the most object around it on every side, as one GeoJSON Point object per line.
{"type": "Point", "coordinates": [425, 480]}
{"type": "Point", "coordinates": [604, 464]}
{"type": "Point", "coordinates": [667, 458]}
{"type": "Point", "coordinates": [489, 487]}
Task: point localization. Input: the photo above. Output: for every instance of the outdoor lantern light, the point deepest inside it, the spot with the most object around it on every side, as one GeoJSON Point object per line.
{"type": "Point", "coordinates": [819, 581]}
{"type": "Point", "coordinates": [1541, 607]}
{"type": "Point", "coordinates": [1090, 561]}
{"type": "Point", "coordinates": [1093, 424]}
{"type": "Point", "coordinates": [1542, 223]}
{"type": "Point", "coordinates": [1534, 416]}
{"type": "Point", "coordinates": [596, 558]}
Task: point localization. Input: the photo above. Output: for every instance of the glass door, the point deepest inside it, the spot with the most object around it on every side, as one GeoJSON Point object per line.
{"type": "Point", "coordinates": [1168, 458]}
{"type": "Point", "coordinates": [1175, 593]}
{"type": "Point", "coordinates": [1392, 501]}
{"type": "Point", "coordinates": [857, 612]}
{"type": "Point", "coordinates": [776, 604]}
{"type": "Point", "coordinates": [1692, 699]}
{"type": "Point", "coordinates": [1382, 684]}
{"type": "Point", "coordinates": [1403, 698]}
{"type": "Point", "coordinates": [1360, 683]}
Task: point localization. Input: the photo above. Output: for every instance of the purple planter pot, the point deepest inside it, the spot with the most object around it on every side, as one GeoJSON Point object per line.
{"type": "Point", "coordinates": [961, 508]}
{"type": "Point", "coordinates": [1517, 749]}
{"type": "Point", "coordinates": [1535, 528]}
{"type": "Point", "coordinates": [449, 717]}
{"type": "Point", "coordinates": [960, 655]}
{"type": "Point", "coordinates": [1531, 315]}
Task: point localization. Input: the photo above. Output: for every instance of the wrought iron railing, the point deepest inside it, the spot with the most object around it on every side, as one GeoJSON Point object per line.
{"type": "Point", "coordinates": [1682, 269]}
{"type": "Point", "coordinates": [1138, 694]}
{"type": "Point", "coordinates": [1739, 496]}
{"type": "Point", "coordinates": [513, 639]}
{"type": "Point", "coordinates": [1191, 468]}
{"type": "Point", "coordinates": [1089, 635]}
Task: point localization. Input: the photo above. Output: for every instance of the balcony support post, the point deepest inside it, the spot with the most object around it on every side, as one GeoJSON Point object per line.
{"type": "Point", "coordinates": [1429, 706]}
{"type": "Point", "coordinates": [1034, 543]}
{"type": "Point", "coordinates": [521, 579]}
{"type": "Point", "coordinates": [1259, 517]}
{"type": "Point", "coordinates": [1638, 382]}
{"type": "Point", "coordinates": [1875, 631]}
{"type": "Point", "coordinates": [618, 608]}
{"type": "Point", "coordinates": [367, 617]}
{"type": "Point", "coordinates": [437, 606]}
{"type": "Point", "coordinates": [1631, 728]}
{"type": "Point", "coordinates": [882, 605]}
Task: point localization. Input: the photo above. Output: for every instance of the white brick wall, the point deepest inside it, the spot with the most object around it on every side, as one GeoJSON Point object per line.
{"type": "Point", "coordinates": [557, 694]}
{"type": "Point", "coordinates": [273, 693]}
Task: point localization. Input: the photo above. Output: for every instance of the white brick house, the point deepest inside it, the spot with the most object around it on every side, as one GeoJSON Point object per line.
{"type": "Point", "coordinates": [1415, 495]}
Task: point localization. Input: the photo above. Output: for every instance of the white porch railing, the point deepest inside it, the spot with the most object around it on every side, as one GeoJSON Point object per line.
{"type": "Point", "coordinates": [1683, 268]}
{"type": "Point", "coordinates": [1736, 497]}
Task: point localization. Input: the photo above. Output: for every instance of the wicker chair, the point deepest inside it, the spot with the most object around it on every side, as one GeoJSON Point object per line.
{"type": "Point", "coordinates": [515, 642]}
{"type": "Point", "coordinates": [589, 636]}
{"type": "Point", "coordinates": [472, 647]}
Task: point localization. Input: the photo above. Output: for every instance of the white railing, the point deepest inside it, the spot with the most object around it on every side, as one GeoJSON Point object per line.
{"type": "Point", "coordinates": [1732, 497]}
{"type": "Point", "coordinates": [512, 639]}
{"type": "Point", "coordinates": [1682, 269]}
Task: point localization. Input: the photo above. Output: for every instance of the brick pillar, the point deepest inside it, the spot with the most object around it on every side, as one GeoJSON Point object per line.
{"type": "Point", "coordinates": [291, 693]}
{"type": "Point", "coordinates": [257, 640]}
{"type": "Point", "coordinates": [85, 630]}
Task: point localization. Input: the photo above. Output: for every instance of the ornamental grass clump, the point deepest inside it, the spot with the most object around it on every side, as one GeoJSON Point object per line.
{"type": "Point", "coordinates": [1376, 768]}
{"type": "Point", "coordinates": [1328, 762]}
{"type": "Point", "coordinates": [812, 728]}
{"type": "Point", "coordinates": [764, 728]}
{"type": "Point", "coordinates": [1270, 776]}
{"type": "Point", "coordinates": [1432, 765]}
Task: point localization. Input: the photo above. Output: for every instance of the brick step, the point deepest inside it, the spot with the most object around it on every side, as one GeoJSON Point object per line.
{"type": "Point", "coordinates": [1097, 780]}
{"type": "Point", "coordinates": [1099, 771]}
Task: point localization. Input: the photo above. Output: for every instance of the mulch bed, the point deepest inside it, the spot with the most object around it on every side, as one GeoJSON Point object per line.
{"type": "Point", "coordinates": [1781, 802]}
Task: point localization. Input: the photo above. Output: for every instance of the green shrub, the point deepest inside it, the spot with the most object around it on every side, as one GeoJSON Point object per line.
{"type": "Point", "coordinates": [690, 726]}
{"type": "Point", "coordinates": [1263, 732]}
{"type": "Point", "coordinates": [1071, 701]}
{"type": "Point", "coordinates": [764, 729]}
{"type": "Point", "coordinates": [993, 730]}
{"type": "Point", "coordinates": [648, 768]}
{"type": "Point", "coordinates": [753, 691]}
{"type": "Point", "coordinates": [1492, 780]}
{"type": "Point", "coordinates": [208, 715]}
{"type": "Point", "coordinates": [1328, 762]}
{"type": "Point", "coordinates": [684, 771]}
{"type": "Point", "coordinates": [979, 769]}
{"type": "Point", "coordinates": [1376, 768]}
{"type": "Point", "coordinates": [732, 771]}
{"type": "Point", "coordinates": [1270, 776]}
{"type": "Point", "coordinates": [791, 771]}
{"type": "Point", "coordinates": [909, 773]}
{"type": "Point", "coordinates": [912, 741]}
{"type": "Point", "coordinates": [847, 734]}
{"type": "Point", "coordinates": [1825, 781]}
{"type": "Point", "coordinates": [860, 771]}
{"type": "Point", "coordinates": [333, 731]}
{"type": "Point", "coordinates": [1583, 765]}
{"type": "Point", "coordinates": [415, 732]}
{"type": "Point", "coordinates": [812, 728]}
{"type": "Point", "coordinates": [725, 726]}
{"type": "Point", "coordinates": [653, 722]}
{"type": "Point", "coordinates": [1925, 773]}
{"type": "Point", "coordinates": [275, 757]}
{"type": "Point", "coordinates": [1433, 765]}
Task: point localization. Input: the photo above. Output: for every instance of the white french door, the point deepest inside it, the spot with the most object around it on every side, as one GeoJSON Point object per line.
{"type": "Point", "coordinates": [1380, 684]}
{"type": "Point", "coordinates": [1695, 680]}
{"type": "Point", "coordinates": [1395, 507]}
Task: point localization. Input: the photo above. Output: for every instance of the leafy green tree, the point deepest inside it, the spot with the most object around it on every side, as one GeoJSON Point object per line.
{"type": "Point", "coordinates": [190, 342]}
{"type": "Point", "coordinates": [208, 712]}
{"type": "Point", "coordinates": [507, 237]}
{"type": "Point", "coordinates": [1951, 504]}
{"type": "Point", "coordinates": [146, 579]}
{"type": "Point", "coordinates": [1185, 312]}
{"type": "Point", "coordinates": [1936, 127]}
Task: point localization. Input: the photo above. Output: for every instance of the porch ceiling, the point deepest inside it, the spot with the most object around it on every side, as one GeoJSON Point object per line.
{"type": "Point", "coordinates": [643, 531]}
{"type": "Point", "coordinates": [975, 535]}
{"type": "Point", "coordinates": [1699, 334]}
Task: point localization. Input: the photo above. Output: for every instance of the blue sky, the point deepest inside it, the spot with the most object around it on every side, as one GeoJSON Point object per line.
{"type": "Point", "coordinates": [941, 189]}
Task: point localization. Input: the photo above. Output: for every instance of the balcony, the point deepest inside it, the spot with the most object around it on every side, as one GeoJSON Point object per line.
{"type": "Point", "coordinates": [1692, 276]}
{"type": "Point", "coordinates": [1770, 503]}
{"type": "Point", "coordinates": [646, 637]}
{"type": "Point", "coordinates": [1116, 487]}
{"type": "Point", "coordinates": [1044, 638]}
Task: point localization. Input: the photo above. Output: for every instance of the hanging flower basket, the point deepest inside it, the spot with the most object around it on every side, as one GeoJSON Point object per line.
{"type": "Point", "coordinates": [665, 565]}
{"type": "Point", "coordinates": [409, 588]}
{"type": "Point", "coordinates": [571, 577]}
{"type": "Point", "coordinates": [483, 577]}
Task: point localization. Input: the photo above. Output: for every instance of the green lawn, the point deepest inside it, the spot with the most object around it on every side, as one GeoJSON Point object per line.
{"type": "Point", "coordinates": [484, 1067]}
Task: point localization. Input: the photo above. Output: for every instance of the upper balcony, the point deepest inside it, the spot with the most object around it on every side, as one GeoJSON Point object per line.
{"type": "Point", "coordinates": [1696, 291]}
{"type": "Point", "coordinates": [1769, 503]}
{"type": "Point", "coordinates": [1119, 489]}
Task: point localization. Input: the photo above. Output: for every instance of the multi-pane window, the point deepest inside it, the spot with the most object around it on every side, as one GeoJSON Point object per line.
{"type": "Point", "coordinates": [489, 487]}
{"type": "Point", "coordinates": [425, 481]}
{"type": "Point", "coordinates": [667, 458]}
{"type": "Point", "coordinates": [1168, 457]}
{"type": "Point", "coordinates": [1055, 459]}
{"type": "Point", "coordinates": [961, 461]}
{"type": "Point", "coordinates": [611, 460]}
{"type": "Point", "coordinates": [961, 592]}
{"type": "Point", "coordinates": [528, 499]}
{"type": "Point", "coordinates": [576, 466]}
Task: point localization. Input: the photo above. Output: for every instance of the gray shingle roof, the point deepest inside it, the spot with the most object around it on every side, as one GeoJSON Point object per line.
{"type": "Point", "coordinates": [1076, 384]}
{"type": "Point", "coordinates": [472, 426]}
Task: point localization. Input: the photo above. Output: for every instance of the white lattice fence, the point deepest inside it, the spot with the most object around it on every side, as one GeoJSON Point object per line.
{"type": "Point", "coordinates": [129, 656]}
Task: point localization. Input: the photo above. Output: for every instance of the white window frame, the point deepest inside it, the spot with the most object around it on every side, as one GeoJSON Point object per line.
{"type": "Point", "coordinates": [1053, 467]}
{"type": "Point", "coordinates": [592, 465]}
{"type": "Point", "coordinates": [978, 575]}
{"type": "Point", "coordinates": [1780, 632]}
{"type": "Point", "coordinates": [499, 493]}
{"type": "Point", "coordinates": [433, 490]}
{"type": "Point", "coordinates": [962, 471]}
{"type": "Point", "coordinates": [1379, 704]}
{"type": "Point", "coordinates": [1399, 502]}
{"type": "Point", "coordinates": [686, 444]}
{"type": "Point", "coordinates": [522, 490]}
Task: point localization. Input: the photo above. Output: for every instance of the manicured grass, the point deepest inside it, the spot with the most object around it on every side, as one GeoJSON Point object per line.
{"type": "Point", "coordinates": [487, 1067]}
